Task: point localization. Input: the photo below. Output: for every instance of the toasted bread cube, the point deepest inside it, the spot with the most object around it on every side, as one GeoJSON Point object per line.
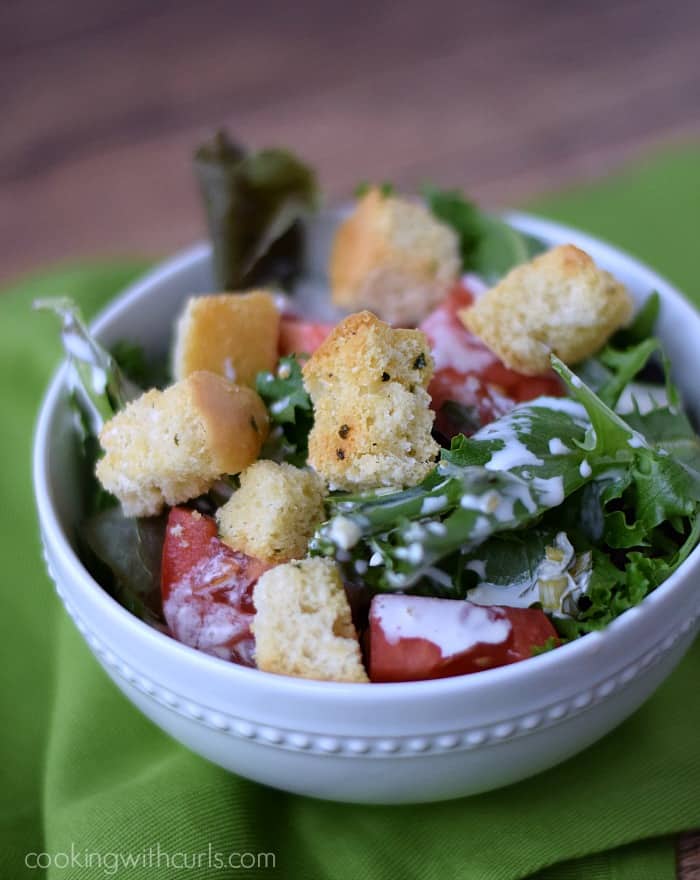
{"type": "Point", "coordinates": [372, 416]}
{"type": "Point", "coordinates": [232, 334]}
{"type": "Point", "coordinates": [559, 303]}
{"type": "Point", "coordinates": [274, 513]}
{"type": "Point", "coordinates": [303, 626]}
{"type": "Point", "coordinates": [168, 446]}
{"type": "Point", "coordinates": [394, 257]}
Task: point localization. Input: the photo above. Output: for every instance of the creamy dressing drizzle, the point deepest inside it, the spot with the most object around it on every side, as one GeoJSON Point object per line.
{"type": "Point", "coordinates": [513, 454]}
{"type": "Point", "coordinates": [550, 490]}
{"type": "Point", "coordinates": [478, 566]}
{"type": "Point", "coordinates": [563, 404]}
{"type": "Point", "coordinates": [452, 625]}
{"type": "Point", "coordinates": [449, 350]}
{"type": "Point", "coordinates": [556, 447]}
{"type": "Point", "coordinates": [344, 533]}
{"type": "Point", "coordinates": [517, 595]}
{"type": "Point", "coordinates": [433, 505]}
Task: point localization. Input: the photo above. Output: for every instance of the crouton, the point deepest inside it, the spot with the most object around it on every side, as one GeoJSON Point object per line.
{"type": "Point", "coordinates": [169, 446]}
{"type": "Point", "coordinates": [559, 303]}
{"type": "Point", "coordinates": [393, 256]}
{"type": "Point", "coordinates": [303, 626]}
{"type": "Point", "coordinates": [274, 513]}
{"type": "Point", "coordinates": [372, 416]}
{"type": "Point", "coordinates": [232, 334]}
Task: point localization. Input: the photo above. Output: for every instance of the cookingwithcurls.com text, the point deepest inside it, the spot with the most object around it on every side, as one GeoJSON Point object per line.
{"type": "Point", "coordinates": [116, 862]}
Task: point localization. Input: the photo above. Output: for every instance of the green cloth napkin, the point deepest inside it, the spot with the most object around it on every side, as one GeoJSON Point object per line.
{"type": "Point", "coordinates": [84, 774]}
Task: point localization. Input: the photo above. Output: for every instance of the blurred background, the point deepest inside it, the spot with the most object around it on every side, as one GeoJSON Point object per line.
{"type": "Point", "coordinates": [104, 101]}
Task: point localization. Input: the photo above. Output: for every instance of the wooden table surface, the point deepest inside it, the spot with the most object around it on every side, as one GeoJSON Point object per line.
{"type": "Point", "coordinates": [103, 102]}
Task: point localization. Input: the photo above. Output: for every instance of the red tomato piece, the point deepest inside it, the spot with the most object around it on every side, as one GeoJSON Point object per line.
{"type": "Point", "coordinates": [412, 638]}
{"type": "Point", "coordinates": [469, 373]}
{"type": "Point", "coordinates": [301, 337]}
{"type": "Point", "coordinates": [187, 540]}
{"type": "Point", "coordinates": [207, 588]}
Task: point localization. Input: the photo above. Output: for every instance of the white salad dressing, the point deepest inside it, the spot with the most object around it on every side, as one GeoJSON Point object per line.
{"type": "Point", "coordinates": [413, 554]}
{"type": "Point", "coordinates": [550, 490]}
{"type": "Point", "coordinates": [453, 625]}
{"type": "Point", "coordinates": [280, 405]}
{"type": "Point", "coordinates": [513, 454]}
{"type": "Point", "coordinates": [449, 350]}
{"type": "Point", "coordinates": [99, 380]}
{"type": "Point", "coordinates": [556, 447]}
{"type": "Point", "coordinates": [229, 370]}
{"type": "Point", "coordinates": [344, 533]}
{"type": "Point", "coordinates": [475, 284]}
{"type": "Point", "coordinates": [196, 620]}
{"type": "Point", "coordinates": [433, 505]}
{"type": "Point", "coordinates": [645, 396]}
{"type": "Point", "coordinates": [565, 405]}
{"type": "Point", "coordinates": [478, 566]}
{"type": "Point", "coordinates": [521, 594]}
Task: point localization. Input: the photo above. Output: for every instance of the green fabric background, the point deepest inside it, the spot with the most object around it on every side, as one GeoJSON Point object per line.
{"type": "Point", "coordinates": [81, 767]}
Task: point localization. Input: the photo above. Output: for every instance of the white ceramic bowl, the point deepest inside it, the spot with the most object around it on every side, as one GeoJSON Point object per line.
{"type": "Point", "coordinates": [381, 743]}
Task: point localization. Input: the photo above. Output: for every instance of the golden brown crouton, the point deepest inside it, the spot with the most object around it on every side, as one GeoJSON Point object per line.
{"type": "Point", "coordinates": [559, 303]}
{"type": "Point", "coordinates": [303, 625]}
{"type": "Point", "coordinates": [169, 446]}
{"type": "Point", "coordinates": [393, 256]}
{"type": "Point", "coordinates": [232, 334]}
{"type": "Point", "coordinates": [372, 421]}
{"type": "Point", "coordinates": [274, 513]}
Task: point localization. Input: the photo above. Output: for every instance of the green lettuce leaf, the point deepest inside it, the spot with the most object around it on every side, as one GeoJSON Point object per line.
{"type": "Point", "coordinates": [99, 386]}
{"type": "Point", "coordinates": [488, 246]}
{"type": "Point", "coordinates": [503, 477]}
{"type": "Point", "coordinates": [642, 327]}
{"type": "Point", "coordinates": [291, 412]}
{"type": "Point", "coordinates": [132, 361]}
{"type": "Point", "coordinates": [548, 465]}
{"type": "Point", "coordinates": [124, 555]}
{"type": "Point", "coordinates": [253, 203]}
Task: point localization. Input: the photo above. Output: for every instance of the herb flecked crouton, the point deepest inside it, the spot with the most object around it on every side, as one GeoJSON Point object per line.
{"type": "Point", "coordinates": [274, 513]}
{"type": "Point", "coordinates": [394, 257]}
{"type": "Point", "coordinates": [303, 626]}
{"type": "Point", "coordinates": [559, 303]}
{"type": "Point", "coordinates": [168, 446]}
{"type": "Point", "coordinates": [372, 417]}
{"type": "Point", "coordinates": [232, 334]}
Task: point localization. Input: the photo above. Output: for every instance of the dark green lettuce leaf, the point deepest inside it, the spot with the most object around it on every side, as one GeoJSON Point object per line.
{"type": "Point", "coordinates": [622, 365]}
{"type": "Point", "coordinates": [488, 246]}
{"type": "Point", "coordinates": [124, 555]}
{"type": "Point", "coordinates": [642, 327]}
{"type": "Point", "coordinates": [547, 466]}
{"type": "Point", "coordinates": [254, 202]}
{"type": "Point", "coordinates": [290, 410]}
{"type": "Point", "coordinates": [614, 589]}
{"type": "Point", "coordinates": [132, 361]}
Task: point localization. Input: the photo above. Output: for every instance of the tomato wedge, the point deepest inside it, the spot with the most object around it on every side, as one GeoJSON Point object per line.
{"type": "Point", "coordinates": [301, 337]}
{"type": "Point", "coordinates": [412, 638]}
{"type": "Point", "coordinates": [207, 588]}
{"type": "Point", "coordinates": [470, 374]}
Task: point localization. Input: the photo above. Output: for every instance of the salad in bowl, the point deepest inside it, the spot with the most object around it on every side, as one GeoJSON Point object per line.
{"type": "Point", "coordinates": [459, 449]}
